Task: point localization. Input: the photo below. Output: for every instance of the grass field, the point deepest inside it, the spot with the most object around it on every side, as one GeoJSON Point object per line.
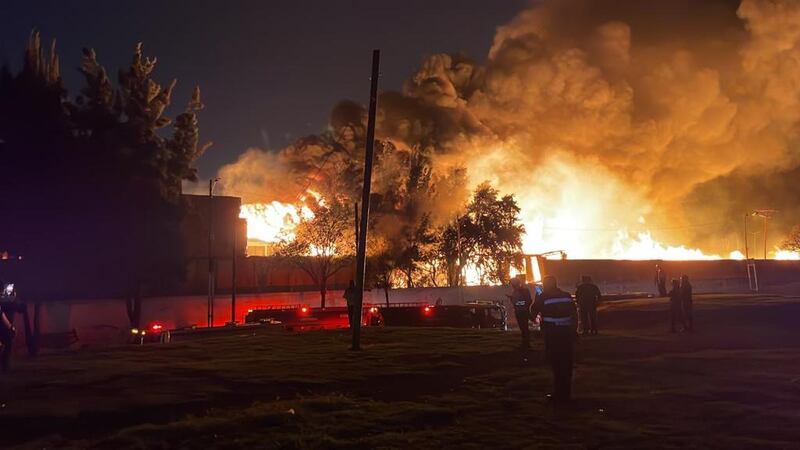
{"type": "Point", "coordinates": [734, 383]}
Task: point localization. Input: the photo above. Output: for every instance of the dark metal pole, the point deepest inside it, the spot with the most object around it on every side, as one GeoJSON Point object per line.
{"type": "Point", "coordinates": [210, 306]}
{"type": "Point", "coordinates": [746, 250]}
{"type": "Point", "coordinates": [233, 277]}
{"type": "Point", "coordinates": [211, 265]}
{"type": "Point", "coordinates": [361, 251]}
{"type": "Point", "coordinates": [765, 236]}
{"type": "Point", "coordinates": [355, 211]}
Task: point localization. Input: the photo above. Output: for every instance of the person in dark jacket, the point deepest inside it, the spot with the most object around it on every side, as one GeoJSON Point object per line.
{"type": "Point", "coordinates": [521, 302]}
{"type": "Point", "coordinates": [675, 308]}
{"type": "Point", "coordinates": [7, 331]}
{"type": "Point", "coordinates": [559, 326]}
{"type": "Point", "coordinates": [661, 281]}
{"type": "Point", "coordinates": [686, 302]}
{"type": "Point", "coordinates": [350, 298]}
{"type": "Point", "coordinates": [588, 296]}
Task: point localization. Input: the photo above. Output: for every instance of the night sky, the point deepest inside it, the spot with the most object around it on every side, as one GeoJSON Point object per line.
{"type": "Point", "coordinates": [269, 70]}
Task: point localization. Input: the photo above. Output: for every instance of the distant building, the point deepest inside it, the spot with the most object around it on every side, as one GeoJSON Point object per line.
{"type": "Point", "coordinates": [227, 226]}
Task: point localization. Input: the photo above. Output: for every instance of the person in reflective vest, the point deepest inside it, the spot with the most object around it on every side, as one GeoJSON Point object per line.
{"type": "Point", "coordinates": [559, 326]}
{"type": "Point", "coordinates": [521, 301]}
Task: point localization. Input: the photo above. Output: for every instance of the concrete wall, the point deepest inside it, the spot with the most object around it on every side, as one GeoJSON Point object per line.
{"type": "Point", "coordinates": [105, 320]}
{"type": "Point", "coordinates": [107, 317]}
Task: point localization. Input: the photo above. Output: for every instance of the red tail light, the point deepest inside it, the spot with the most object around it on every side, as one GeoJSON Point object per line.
{"type": "Point", "coordinates": [373, 310]}
{"type": "Point", "coordinates": [304, 309]}
{"type": "Point", "coordinates": [157, 327]}
{"type": "Point", "coordinates": [427, 309]}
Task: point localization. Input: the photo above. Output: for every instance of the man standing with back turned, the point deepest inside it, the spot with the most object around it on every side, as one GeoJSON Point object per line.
{"type": "Point", "coordinates": [559, 321]}
{"type": "Point", "coordinates": [588, 296]}
{"type": "Point", "coordinates": [521, 301]}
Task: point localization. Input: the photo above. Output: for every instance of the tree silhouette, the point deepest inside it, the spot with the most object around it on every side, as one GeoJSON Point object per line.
{"type": "Point", "coordinates": [93, 184]}
{"type": "Point", "coordinates": [792, 241]}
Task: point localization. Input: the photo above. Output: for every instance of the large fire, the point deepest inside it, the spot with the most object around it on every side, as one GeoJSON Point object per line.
{"type": "Point", "coordinates": [276, 221]}
{"type": "Point", "coordinates": [587, 214]}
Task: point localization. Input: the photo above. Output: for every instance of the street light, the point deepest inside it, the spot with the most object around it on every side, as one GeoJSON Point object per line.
{"type": "Point", "coordinates": [766, 214]}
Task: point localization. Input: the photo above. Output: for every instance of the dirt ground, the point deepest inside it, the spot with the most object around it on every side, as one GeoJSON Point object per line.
{"type": "Point", "coordinates": [734, 383]}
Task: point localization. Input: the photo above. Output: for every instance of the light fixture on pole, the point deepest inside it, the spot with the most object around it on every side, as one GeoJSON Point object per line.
{"type": "Point", "coordinates": [766, 214]}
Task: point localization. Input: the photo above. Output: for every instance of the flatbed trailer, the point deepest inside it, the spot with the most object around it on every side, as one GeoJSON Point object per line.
{"type": "Point", "coordinates": [476, 314]}
{"type": "Point", "coordinates": [302, 317]}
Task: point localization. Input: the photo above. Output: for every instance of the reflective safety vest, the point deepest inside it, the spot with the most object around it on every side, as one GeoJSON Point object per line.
{"type": "Point", "coordinates": [557, 308]}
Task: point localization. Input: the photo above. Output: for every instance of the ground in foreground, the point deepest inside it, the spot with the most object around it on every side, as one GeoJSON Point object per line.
{"type": "Point", "coordinates": [734, 383]}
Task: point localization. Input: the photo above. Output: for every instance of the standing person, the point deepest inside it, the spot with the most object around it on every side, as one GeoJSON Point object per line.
{"type": "Point", "coordinates": [675, 308]}
{"type": "Point", "coordinates": [686, 302]}
{"type": "Point", "coordinates": [661, 281]}
{"type": "Point", "coordinates": [588, 296]}
{"type": "Point", "coordinates": [559, 325]}
{"type": "Point", "coordinates": [521, 301]}
{"type": "Point", "coordinates": [7, 332]}
{"type": "Point", "coordinates": [350, 298]}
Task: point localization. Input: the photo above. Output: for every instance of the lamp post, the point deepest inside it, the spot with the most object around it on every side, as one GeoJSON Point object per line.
{"type": "Point", "coordinates": [766, 214]}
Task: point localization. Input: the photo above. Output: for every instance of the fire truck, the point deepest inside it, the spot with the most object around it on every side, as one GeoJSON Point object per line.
{"type": "Point", "coordinates": [304, 317]}
{"type": "Point", "coordinates": [476, 314]}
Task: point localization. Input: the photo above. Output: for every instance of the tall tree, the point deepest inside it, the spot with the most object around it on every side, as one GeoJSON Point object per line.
{"type": "Point", "coordinates": [102, 173]}
{"type": "Point", "coordinates": [323, 245]}
{"type": "Point", "coordinates": [494, 232]}
{"type": "Point", "coordinates": [792, 241]}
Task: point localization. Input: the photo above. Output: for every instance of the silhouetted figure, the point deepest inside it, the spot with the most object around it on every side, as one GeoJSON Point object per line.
{"type": "Point", "coordinates": [686, 302]}
{"type": "Point", "coordinates": [350, 298]}
{"type": "Point", "coordinates": [8, 308]}
{"type": "Point", "coordinates": [588, 296]}
{"type": "Point", "coordinates": [521, 301]}
{"type": "Point", "coordinates": [661, 281]}
{"type": "Point", "coordinates": [559, 322]}
{"type": "Point", "coordinates": [675, 308]}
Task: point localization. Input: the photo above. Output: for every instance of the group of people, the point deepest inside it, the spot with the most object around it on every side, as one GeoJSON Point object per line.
{"type": "Point", "coordinates": [680, 304]}
{"type": "Point", "coordinates": [559, 323]}
{"type": "Point", "coordinates": [680, 300]}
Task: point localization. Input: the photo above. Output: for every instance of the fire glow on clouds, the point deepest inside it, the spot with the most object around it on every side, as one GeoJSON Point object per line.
{"type": "Point", "coordinates": [623, 130]}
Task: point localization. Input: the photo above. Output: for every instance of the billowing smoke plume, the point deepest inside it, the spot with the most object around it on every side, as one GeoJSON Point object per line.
{"type": "Point", "coordinates": [601, 116]}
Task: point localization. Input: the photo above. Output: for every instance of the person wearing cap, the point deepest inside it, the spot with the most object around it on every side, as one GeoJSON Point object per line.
{"type": "Point", "coordinates": [559, 326]}
{"type": "Point", "coordinates": [588, 297]}
{"type": "Point", "coordinates": [521, 301]}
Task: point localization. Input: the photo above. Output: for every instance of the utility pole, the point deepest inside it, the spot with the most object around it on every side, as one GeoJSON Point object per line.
{"type": "Point", "coordinates": [746, 250]}
{"type": "Point", "coordinates": [355, 215]}
{"type": "Point", "coordinates": [361, 249]}
{"type": "Point", "coordinates": [211, 266]}
{"type": "Point", "coordinates": [233, 277]}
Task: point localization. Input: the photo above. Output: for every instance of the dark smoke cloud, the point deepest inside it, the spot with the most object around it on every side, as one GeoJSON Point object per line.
{"type": "Point", "coordinates": [604, 114]}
